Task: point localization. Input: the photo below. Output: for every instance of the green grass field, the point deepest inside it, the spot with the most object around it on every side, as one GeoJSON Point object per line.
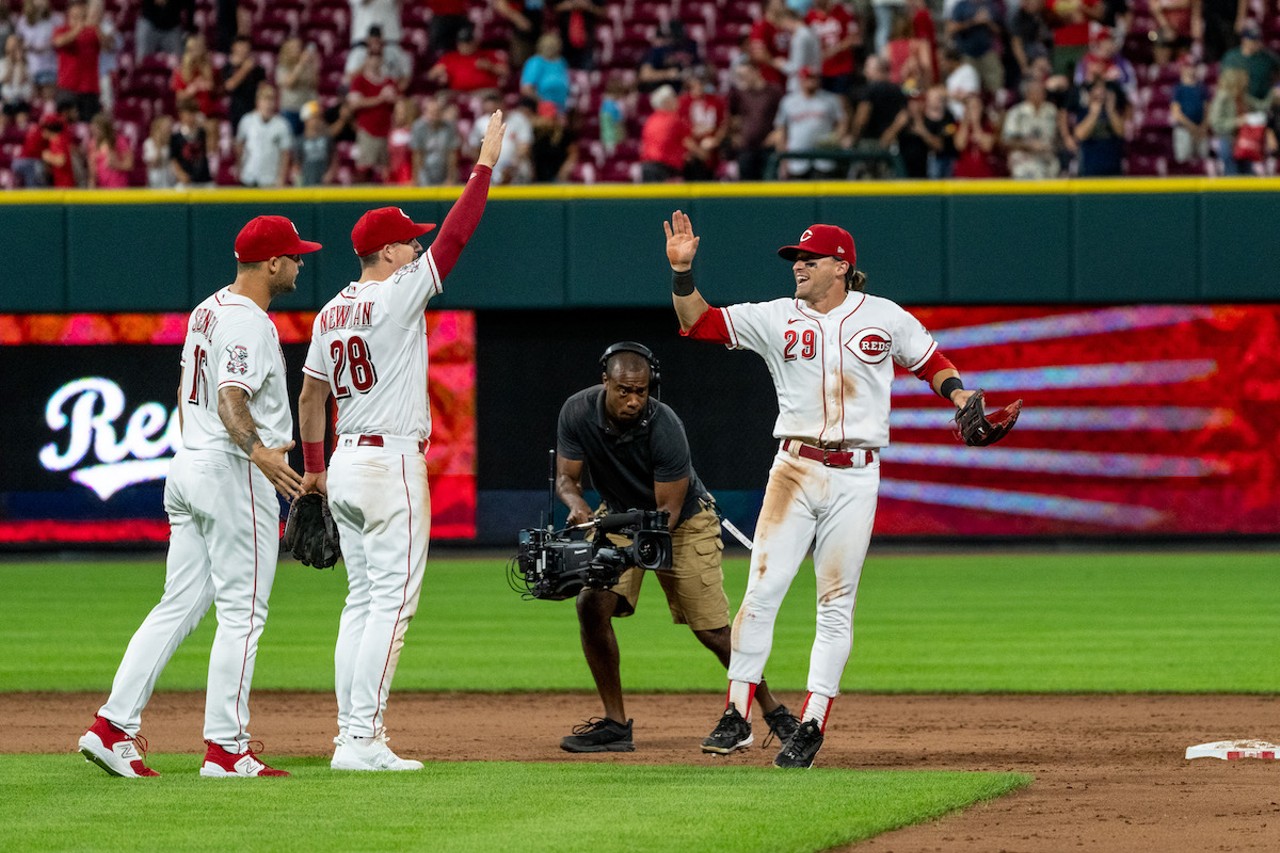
{"type": "Point", "coordinates": [1179, 622]}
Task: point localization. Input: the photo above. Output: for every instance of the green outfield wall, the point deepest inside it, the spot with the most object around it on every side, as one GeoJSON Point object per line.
{"type": "Point", "coordinates": [1147, 240]}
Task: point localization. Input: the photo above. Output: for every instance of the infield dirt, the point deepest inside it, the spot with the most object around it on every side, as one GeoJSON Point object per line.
{"type": "Point", "coordinates": [1109, 769]}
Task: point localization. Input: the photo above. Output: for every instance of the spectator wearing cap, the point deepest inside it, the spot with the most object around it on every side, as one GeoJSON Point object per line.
{"type": "Point", "coordinates": [1099, 120]}
{"type": "Point", "coordinates": [672, 56]}
{"type": "Point", "coordinates": [189, 146]}
{"type": "Point", "coordinates": [577, 21]}
{"type": "Point", "coordinates": [160, 26]}
{"type": "Point", "coordinates": [435, 143]}
{"type": "Point", "coordinates": [297, 77]}
{"type": "Point", "coordinates": [973, 32]}
{"type": "Point", "coordinates": [546, 74]}
{"type": "Point", "coordinates": [664, 138]}
{"type": "Point", "coordinates": [554, 150]}
{"type": "Point", "coordinates": [372, 99]}
{"type": "Point", "coordinates": [78, 43]}
{"type": "Point", "coordinates": [470, 68]}
{"type": "Point", "coordinates": [753, 105]}
{"type": "Point", "coordinates": [1104, 60]}
{"type": "Point", "coordinates": [1257, 61]}
{"type": "Point", "coordinates": [57, 155]}
{"type": "Point", "coordinates": [384, 14]}
{"type": "Point", "coordinates": [264, 143]}
{"type": "Point", "coordinates": [396, 63]}
{"type": "Point", "coordinates": [313, 149]}
{"type": "Point", "coordinates": [808, 119]}
{"type": "Point", "coordinates": [110, 155]}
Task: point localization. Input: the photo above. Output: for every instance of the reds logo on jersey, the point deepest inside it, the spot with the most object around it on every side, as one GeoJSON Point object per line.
{"type": "Point", "coordinates": [870, 345]}
{"type": "Point", "coordinates": [238, 360]}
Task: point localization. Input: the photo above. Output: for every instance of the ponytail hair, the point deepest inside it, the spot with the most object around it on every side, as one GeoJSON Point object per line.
{"type": "Point", "coordinates": [855, 280]}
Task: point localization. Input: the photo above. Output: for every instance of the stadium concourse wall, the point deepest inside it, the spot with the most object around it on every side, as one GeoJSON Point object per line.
{"type": "Point", "coordinates": [555, 247]}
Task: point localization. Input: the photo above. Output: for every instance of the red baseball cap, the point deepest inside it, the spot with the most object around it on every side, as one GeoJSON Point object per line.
{"type": "Point", "coordinates": [265, 237]}
{"type": "Point", "coordinates": [823, 240]}
{"type": "Point", "coordinates": [383, 226]}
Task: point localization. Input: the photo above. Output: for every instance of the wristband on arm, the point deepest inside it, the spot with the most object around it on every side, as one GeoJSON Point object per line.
{"type": "Point", "coordinates": [949, 386]}
{"type": "Point", "coordinates": [313, 457]}
{"type": "Point", "coordinates": [682, 282]}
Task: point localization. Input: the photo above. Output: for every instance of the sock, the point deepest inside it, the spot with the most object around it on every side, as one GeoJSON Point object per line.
{"type": "Point", "coordinates": [817, 708]}
{"type": "Point", "coordinates": [741, 693]}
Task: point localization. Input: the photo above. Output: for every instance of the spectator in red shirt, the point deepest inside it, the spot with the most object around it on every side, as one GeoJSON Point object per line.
{"type": "Point", "coordinates": [1069, 20]}
{"type": "Point", "coordinates": [768, 42]}
{"type": "Point", "coordinates": [839, 32]}
{"type": "Point", "coordinates": [664, 139]}
{"type": "Point", "coordinates": [708, 118]}
{"type": "Point", "coordinates": [448, 19]}
{"type": "Point", "coordinates": [372, 99]}
{"type": "Point", "coordinates": [925, 32]}
{"type": "Point", "coordinates": [57, 154]}
{"type": "Point", "coordinates": [28, 166]}
{"type": "Point", "coordinates": [78, 43]}
{"type": "Point", "coordinates": [470, 69]}
{"type": "Point", "coordinates": [196, 78]}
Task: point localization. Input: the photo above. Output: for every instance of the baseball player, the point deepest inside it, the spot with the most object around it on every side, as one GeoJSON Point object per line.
{"type": "Point", "coordinates": [831, 351]}
{"type": "Point", "coordinates": [638, 454]}
{"type": "Point", "coordinates": [224, 517]}
{"type": "Point", "coordinates": [369, 350]}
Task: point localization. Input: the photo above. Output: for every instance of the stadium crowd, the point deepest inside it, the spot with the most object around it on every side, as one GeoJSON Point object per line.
{"type": "Point", "coordinates": [269, 93]}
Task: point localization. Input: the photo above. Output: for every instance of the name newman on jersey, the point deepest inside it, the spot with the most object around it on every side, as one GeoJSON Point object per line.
{"type": "Point", "coordinates": [356, 316]}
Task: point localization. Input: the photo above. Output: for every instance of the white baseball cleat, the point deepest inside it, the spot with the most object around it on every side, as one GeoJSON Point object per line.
{"type": "Point", "coordinates": [115, 751]}
{"type": "Point", "coordinates": [368, 753]}
{"type": "Point", "coordinates": [220, 764]}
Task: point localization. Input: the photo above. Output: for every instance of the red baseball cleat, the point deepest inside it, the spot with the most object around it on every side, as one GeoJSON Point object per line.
{"type": "Point", "coordinates": [220, 764]}
{"type": "Point", "coordinates": [114, 751]}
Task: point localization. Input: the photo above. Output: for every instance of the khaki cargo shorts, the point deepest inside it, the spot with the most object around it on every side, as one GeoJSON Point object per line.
{"type": "Point", "coordinates": [695, 584]}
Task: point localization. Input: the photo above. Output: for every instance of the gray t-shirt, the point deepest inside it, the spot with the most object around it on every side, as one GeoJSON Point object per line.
{"type": "Point", "coordinates": [809, 121]}
{"type": "Point", "coordinates": [314, 154]}
{"type": "Point", "coordinates": [436, 144]}
{"type": "Point", "coordinates": [625, 465]}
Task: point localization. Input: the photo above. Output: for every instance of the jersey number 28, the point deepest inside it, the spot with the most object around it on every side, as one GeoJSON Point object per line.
{"type": "Point", "coordinates": [352, 358]}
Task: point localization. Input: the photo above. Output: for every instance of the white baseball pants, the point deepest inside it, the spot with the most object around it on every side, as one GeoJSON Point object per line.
{"type": "Point", "coordinates": [380, 502]}
{"type": "Point", "coordinates": [807, 503]}
{"type": "Point", "coordinates": [224, 538]}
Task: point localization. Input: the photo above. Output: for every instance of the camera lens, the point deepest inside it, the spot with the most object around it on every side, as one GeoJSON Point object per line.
{"type": "Point", "coordinates": [646, 552]}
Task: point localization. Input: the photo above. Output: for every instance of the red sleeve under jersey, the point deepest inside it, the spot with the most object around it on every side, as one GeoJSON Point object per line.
{"type": "Point", "coordinates": [462, 220]}
{"type": "Point", "coordinates": [709, 327]}
{"type": "Point", "coordinates": [935, 365]}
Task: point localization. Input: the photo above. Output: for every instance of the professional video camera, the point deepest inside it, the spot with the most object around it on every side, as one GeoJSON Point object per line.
{"type": "Point", "coordinates": [550, 565]}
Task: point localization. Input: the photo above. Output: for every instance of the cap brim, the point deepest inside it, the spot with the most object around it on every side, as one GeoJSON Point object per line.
{"type": "Point", "coordinates": [789, 252]}
{"type": "Point", "coordinates": [421, 228]}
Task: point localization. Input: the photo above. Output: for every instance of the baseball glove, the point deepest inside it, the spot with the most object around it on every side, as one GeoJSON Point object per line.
{"type": "Point", "coordinates": [977, 429]}
{"type": "Point", "coordinates": [310, 534]}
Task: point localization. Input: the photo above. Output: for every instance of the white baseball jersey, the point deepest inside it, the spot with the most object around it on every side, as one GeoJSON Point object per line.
{"type": "Point", "coordinates": [370, 343]}
{"type": "Point", "coordinates": [833, 371]}
{"type": "Point", "coordinates": [231, 342]}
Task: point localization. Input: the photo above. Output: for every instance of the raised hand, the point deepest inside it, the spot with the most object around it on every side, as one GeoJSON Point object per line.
{"type": "Point", "coordinates": [491, 145]}
{"type": "Point", "coordinates": [682, 245]}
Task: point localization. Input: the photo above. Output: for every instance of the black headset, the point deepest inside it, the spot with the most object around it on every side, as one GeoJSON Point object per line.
{"type": "Point", "coordinates": [655, 373]}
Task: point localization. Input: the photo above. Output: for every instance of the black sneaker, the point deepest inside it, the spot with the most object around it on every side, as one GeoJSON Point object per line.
{"type": "Point", "coordinates": [731, 733]}
{"type": "Point", "coordinates": [782, 725]}
{"type": "Point", "coordinates": [801, 747]}
{"type": "Point", "coordinates": [599, 734]}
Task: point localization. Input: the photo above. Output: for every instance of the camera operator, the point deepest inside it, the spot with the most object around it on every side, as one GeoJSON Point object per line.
{"type": "Point", "coordinates": [638, 454]}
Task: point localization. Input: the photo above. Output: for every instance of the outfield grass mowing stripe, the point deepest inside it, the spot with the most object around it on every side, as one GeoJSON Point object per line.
{"type": "Point", "coordinates": [58, 803]}
{"type": "Point", "coordinates": [1158, 622]}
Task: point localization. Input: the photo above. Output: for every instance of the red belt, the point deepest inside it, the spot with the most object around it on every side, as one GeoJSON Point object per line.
{"type": "Point", "coordinates": [376, 441]}
{"type": "Point", "coordinates": [858, 458]}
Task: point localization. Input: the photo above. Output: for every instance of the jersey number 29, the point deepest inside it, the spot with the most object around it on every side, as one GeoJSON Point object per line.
{"type": "Point", "coordinates": [352, 358]}
{"type": "Point", "coordinates": [807, 340]}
